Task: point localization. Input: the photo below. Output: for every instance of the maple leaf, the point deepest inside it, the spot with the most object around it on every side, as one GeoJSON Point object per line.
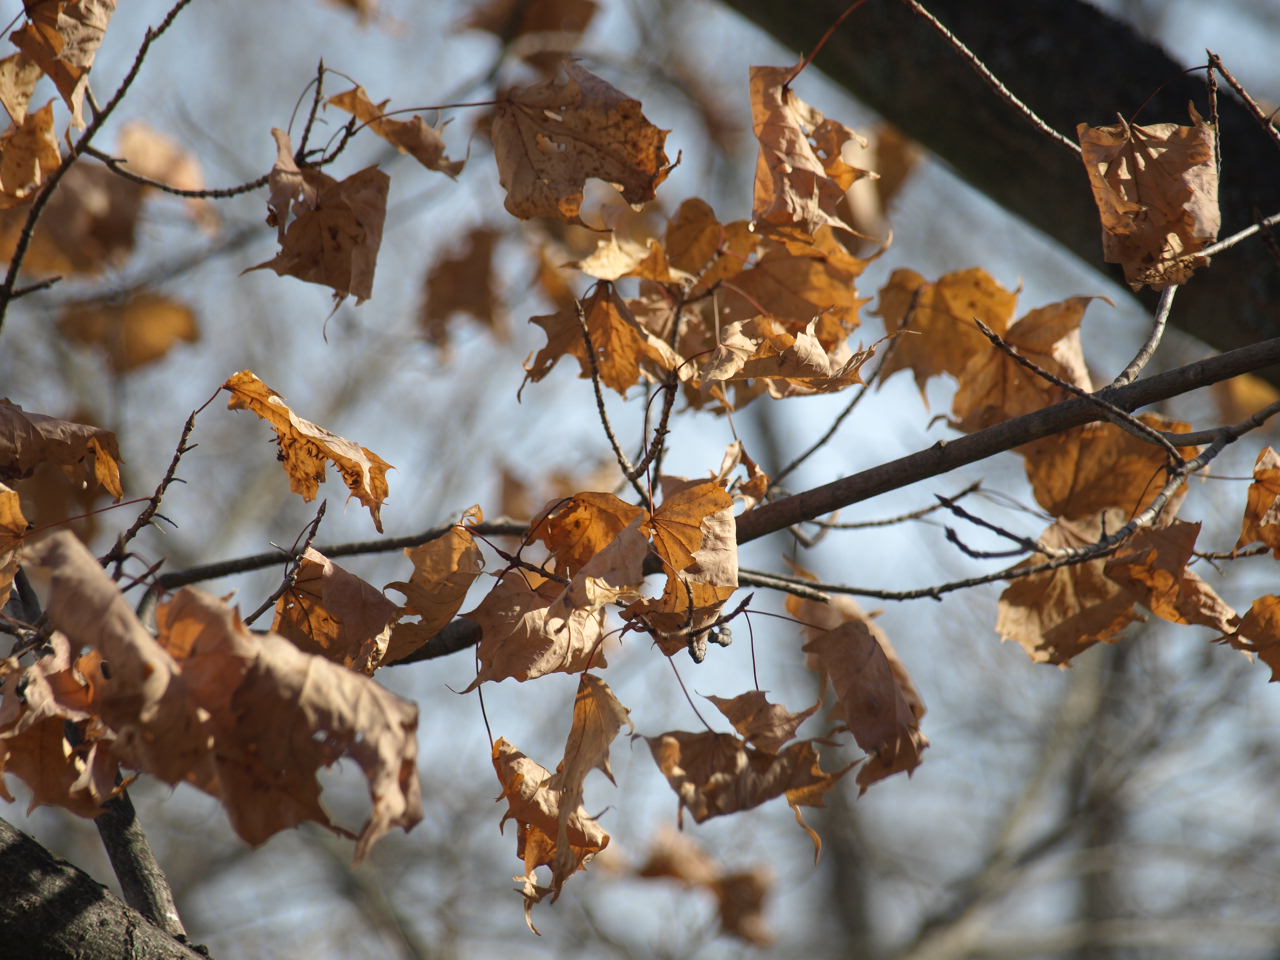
{"type": "Point", "coordinates": [332, 613]}
{"type": "Point", "coordinates": [620, 256]}
{"type": "Point", "coordinates": [155, 156]}
{"type": "Point", "coordinates": [29, 153]}
{"type": "Point", "coordinates": [19, 75]}
{"type": "Point", "coordinates": [943, 337]}
{"type": "Point", "coordinates": [874, 695]}
{"type": "Point", "coordinates": [540, 32]}
{"type": "Point", "coordinates": [762, 724]}
{"type": "Point", "coordinates": [577, 528]}
{"type": "Point", "coordinates": [276, 715]}
{"type": "Point", "coordinates": [624, 349]}
{"type": "Point", "coordinates": [994, 387]}
{"type": "Point", "coordinates": [1156, 188]}
{"type": "Point", "coordinates": [528, 631]}
{"type": "Point", "coordinates": [443, 571]}
{"type": "Point", "coordinates": [788, 364]}
{"type": "Point", "coordinates": [1090, 468]}
{"type": "Point", "coordinates": [336, 229]}
{"type": "Point", "coordinates": [550, 137]}
{"type": "Point", "coordinates": [740, 895]}
{"type": "Point", "coordinates": [700, 246]}
{"type": "Point", "coordinates": [714, 774]}
{"type": "Point", "coordinates": [63, 37]}
{"type": "Point", "coordinates": [463, 283]}
{"type": "Point", "coordinates": [535, 806]}
{"type": "Point", "coordinates": [1153, 567]}
{"type": "Point", "coordinates": [801, 175]}
{"type": "Point", "coordinates": [414, 137]}
{"type": "Point", "coordinates": [13, 530]}
{"type": "Point", "coordinates": [1057, 614]}
{"type": "Point", "coordinates": [305, 447]}
{"type": "Point", "coordinates": [29, 439]}
{"type": "Point", "coordinates": [1258, 632]}
{"type": "Point", "coordinates": [1261, 522]}
{"type": "Point", "coordinates": [134, 333]}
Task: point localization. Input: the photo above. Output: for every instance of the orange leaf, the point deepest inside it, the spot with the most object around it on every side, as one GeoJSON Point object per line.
{"type": "Point", "coordinates": [577, 528]}
{"type": "Point", "coordinates": [1258, 632]}
{"type": "Point", "coordinates": [1153, 567]}
{"type": "Point", "coordinates": [29, 153]}
{"type": "Point", "coordinates": [29, 439]}
{"type": "Point", "coordinates": [698, 245]}
{"type": "Point", "coordinates": [413, 137]}
{"type": "Point", "coordinates": [13, 529]}
{"type": "Point", "coordinates": [1262, 512]}
{"type": "Point", "coordinates": [550, 137]}
{"type": "Point", "coordinates": [139, 331]}
{"type": "Point", "coordinates": [305, 447]}
{"type": "Point", "coordinates": [1156, 189]}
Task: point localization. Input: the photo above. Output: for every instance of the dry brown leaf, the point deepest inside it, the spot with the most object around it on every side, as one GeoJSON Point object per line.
{"type": "Point", "coordinates": [1060, 613]}
{"type": "Point", "coordinates": [63, 36]}
{"type": "Point", "coordinates": [305, 447]}
{"type": "Point", "coordinates": [751, 490]}
{"type": "Point", "coordinates": [153, 155]}
{"type": "Point", "coordinates": [535, 806]}
{"type": "Point", "coordinates": [764, 725]}
{"type": "Point", "coordinates": [1156, 188]}
{"type": "Point", "coordinates": [940, 335]}
{"type": "Point", "coordinates": [29, 153]}
{"type": "Point", "coordinates": [19, 75]}
{"type": "Point", "coordinates": [443, 571]}
{"type": "Point", "coordinates": [13, 530]}
{"type": "Point", "coordinates": [276, 715]}
{"type": "Point", "coordinates": [788, 364]}
{"type": "Point", "coordinates": [994, 387]}
{"type": "Point", "coordinates": [1153, 567]}
{"type": "Point", "coordinates": [875, 697]}
{"type": "Point", "coordinates": [1078, 473]}
{"type": "Point", "coordinates": [332, 613]}
{"type": "Point", "coordinates": [619, 256]}
{"type": "Point", "coordinates": [700, 246]}
{"type": "Point", "coordinates": [624, 349]}
{"type": "Point", "coordinates": [528, 631]}
{"type": "Point", "coordinates": [336, 230]}
{"type": "Point", "coordinates": [549, 138]}
{"type": "Point", "coordinates": [1258, 633]}
{"type": "Point", "coordinates": [577, 528]}
{"type": "Point", "coordinates": [801, 175]}
{"type": "Point", "coordinates": [541, 32]}
{"type": "Point", "coordinates": [463, 282]}
{"type": "Point", "coordinates": [88, 226]}
{"type": "Point", "coordinates": [81, 450]}
{"type": "Point", "coordinates": [1262, 512]}
{"type": "Point", "coordinates": [414, 137]}
{"type": "Point", "coordinates": [740, 895]}
{"type": "Point", "coordinates": [134, 333]}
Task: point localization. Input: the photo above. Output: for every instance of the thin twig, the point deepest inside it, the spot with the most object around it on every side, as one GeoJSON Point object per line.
{"type": "Point", "coordinates": [1144, 355]}
{"type": "Point", "coordinates": [990, 78]}
{"type": "Point", "coordinates": [974, 487]}
{"type": "Point", "coordinates": [1244, 234]}
{"type": "Point", "coordinates": [316, 100]}
{"type": "Point", "coordinates": [1258, 113]}
{"type": "Point", "coordinates": [117, 166]}
{"type": "Point", "coordinates": [291, 576]}
{"type": "Point", "coordinates": [822, 42]}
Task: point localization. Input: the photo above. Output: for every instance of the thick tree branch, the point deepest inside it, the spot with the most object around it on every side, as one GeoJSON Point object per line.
{"type": "Point", "coordinates": [1070, 63]}
{"type": "Point", "coordinates": [50, 909]}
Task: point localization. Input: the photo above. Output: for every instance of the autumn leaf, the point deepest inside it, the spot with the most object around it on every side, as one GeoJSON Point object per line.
{"type": "Point", "coordinates": [762, 724]}
{"type": "Point", "coordinates": [336, 231]}
{"type": "Point", "coordinates": [801, 174]}
{"type": "Point", "coordinates": [13, 530]}
{"type": "Point", "coordinates": [132, 333]}
{"type": "Point", "coordinates": [1090, 468]}
{"type": "Point", "coordinates": [550, 137]}
{"type": "Point", "coordinates": [463, 282]}
{"type": "Point", "coordinates": [618, 256]}
{"type": "Point", "coordinates": [414, 137]}
{"type": "Point", "coordinates": [1153, 567]}
{"type": "Point", "coordinates": [700, 246]}
{"type": "Point", "coordinates": [540, 32]}
{"type": "Point", "coordinates": [1262, 512]}
{"type": "Point", "coordinates": [63, 36]}
{"type": "Point", "coordinates": [739, 894]}
{"type": "Point", "coordinates": [332, 613]}
{"type": "Point", "coordinates": [1156, 188]}
{"type": "Point", "coordinates": [535, 806]}
{"type": "Point", "coordinates": [19, 75]}
{"type": "Point", "coordinates": [994, 387]}
{"type": "Point", "coordinates": [276, 715]}
{"type": "Point", "coordinates": [577, 528]}
{"type": "Point", "coordinates": [1258, 633]}
{"type": "Point", "coordinates": [305, 447]}
{"type": "Point", "coordinates": [528, 631]}
{"type": "Point", "coordinates": [29, 153]}
{"type": "Point", "coordinates": [788, 364]}
{"type": "Point", "coordinates": [934, 321]}
{"type": "Point", "coordinates": [874, 695]}
{"type": "Point", "coordinates": [750, 491]}
{"type": "Point", "coordinates": [1056, 614]}
{"type": "Point", "coordinates": [443, 571]}
{"type": "Point", "coordinates": [81, 450]}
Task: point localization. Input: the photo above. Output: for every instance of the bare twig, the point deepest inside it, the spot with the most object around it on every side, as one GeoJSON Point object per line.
{"type": "Point", "coordinates": [117, 166]}
{"type": "Point", "coordinates": [290, 577]}
{"type": "Point", "coordinates": [1215, 62]}
{"type": "Point", "coordinates": [990, 78]}
{"type": "Point", "coordinates": [974, 487]}
{"type": "Point", "coordinates": [1148, 349]}
{"type": "Point", "coordinates": [1244, 234]}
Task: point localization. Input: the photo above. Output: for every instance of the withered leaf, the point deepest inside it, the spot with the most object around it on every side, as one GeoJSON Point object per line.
{"type": "Point", "coordinates": [762, 724]}
{"type": "Point", "coordinates": [414, 137]}
{"type": "Point", "coordinates": [1262, 512]}
{"type": "Point", "coordinates": [700, 246]}
{"type": "Point", "coordinates": [463, 282]}
{"type": "Point", "coordinates": [19, 75]}
{"type": "Point", "coordinates": [13, 529]}
{"type": "Point", "coordinates": [63, 36]}
{"type": "Point", "coordinates": [788, 364]}
{"type": "Point", "coordinates": [305, 447]}
{"type": "Point", "coordinates": [1258, 633]}
{"type": "Point", "coordinates": [1153, 567]}
{"type": "Point", "coordinates": [550, 137]}
{"type": "Point", "coordinates": [141, 330]}
{"type": "Point", "coordinates": [577, 528]}
{"type": "Point", "coordinates": [540, 32]}
{"type": "Point", "coordinates": [332, 613]}
{"type": "Point", "coordinates": [29, 153]}
{"type": "Point", "coordinates": [81, 450]}
{"type": "Point", "coordinates": [1156, 188]}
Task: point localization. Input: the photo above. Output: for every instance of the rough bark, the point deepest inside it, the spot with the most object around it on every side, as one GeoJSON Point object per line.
{"type": "Point", "coordinates": [1071, 63]}
{"type": "Point", "coordinates": [50, 909]}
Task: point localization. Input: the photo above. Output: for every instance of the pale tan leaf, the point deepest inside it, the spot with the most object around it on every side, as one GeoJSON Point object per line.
{"type": "Point", "coordinates": [29, 153]}
{"type": "Point", "coordinates": [81, 450]}
{"type": "Point", "coordinates": [762, 724]}
{"type": "Point", "coordinates": [414, 137]}
{"type": "Point", "coordinates": [19, 75]}
{"type": "Point", "coordinates": [63, 36]}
